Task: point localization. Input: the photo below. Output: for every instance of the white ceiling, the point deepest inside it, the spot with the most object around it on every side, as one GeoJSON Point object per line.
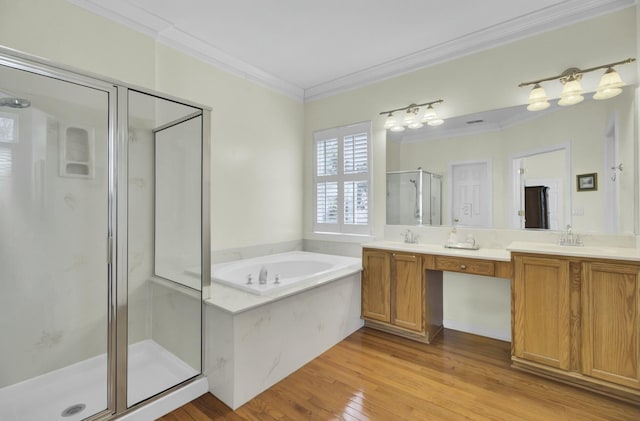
{"type": "Point", "coordinates": [311, 49]}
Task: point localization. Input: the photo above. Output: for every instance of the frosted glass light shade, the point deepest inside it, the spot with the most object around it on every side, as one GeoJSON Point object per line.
{"type": "Point", "coordinates": [409, 118]}
{"type": "Point", "coordinates": [538, 99]}
{"type": "Point", "coordinates": [391, 121]}
{"type": "Point", "coordinates": [429, 114]}
{"type": "Point", "coordinates": [435, 121]}
{"type": "Point", "coordinates": [416, 124]}
{"type": "Point", "coordinates": [397, 128]}
{"type": "Point", "coordinates": [610, 85]}
{"type": "Point", "coordinates": [571, 93]}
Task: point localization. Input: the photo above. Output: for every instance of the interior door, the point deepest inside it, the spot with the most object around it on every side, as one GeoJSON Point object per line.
{"type": "Point", "coordinates": [471, 194]}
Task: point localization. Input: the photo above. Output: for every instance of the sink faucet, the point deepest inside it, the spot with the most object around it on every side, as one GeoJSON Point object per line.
{"type": "Point", "coordinates": [410, 237]}
{"type": "Point", "coordinates": [262, 277]}
{"type": "Point", "coordinates": [568, 238]}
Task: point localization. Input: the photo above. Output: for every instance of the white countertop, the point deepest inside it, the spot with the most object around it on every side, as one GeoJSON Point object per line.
{"type": "Point", "coordinates": [441, 250]}
{"type": "Point", "coordinates": [599, 252]}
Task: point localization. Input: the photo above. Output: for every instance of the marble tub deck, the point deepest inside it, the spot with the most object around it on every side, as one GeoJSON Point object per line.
{"type": "Point", "coordinates": [253, 342]}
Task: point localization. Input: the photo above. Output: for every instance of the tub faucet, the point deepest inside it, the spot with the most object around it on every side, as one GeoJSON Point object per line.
{"type": "Point", "coordinates": [262, 277]}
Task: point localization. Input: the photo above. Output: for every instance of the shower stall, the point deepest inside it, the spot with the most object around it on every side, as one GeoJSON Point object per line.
{"type": "Point", "coordinates": [104, 214]}
{"type": "Point", "coordinates": [414, 198]}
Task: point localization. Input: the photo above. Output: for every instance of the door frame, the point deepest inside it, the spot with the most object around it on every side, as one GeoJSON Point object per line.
{"type": "Point", "coordinates": [517, 182]}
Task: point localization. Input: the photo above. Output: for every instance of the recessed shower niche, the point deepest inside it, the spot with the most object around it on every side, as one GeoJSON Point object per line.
{"type": "Point", "coordinates": [76, 151]}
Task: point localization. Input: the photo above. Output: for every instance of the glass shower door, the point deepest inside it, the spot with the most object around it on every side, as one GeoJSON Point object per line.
{"type": "Point", "coordinates": [54, 226]}
{"type": "Point", "coordinates": [164, 245]}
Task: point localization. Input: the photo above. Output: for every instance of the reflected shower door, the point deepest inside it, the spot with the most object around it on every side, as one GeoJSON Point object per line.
{"type": "Point", "coordinates": [54, 226]}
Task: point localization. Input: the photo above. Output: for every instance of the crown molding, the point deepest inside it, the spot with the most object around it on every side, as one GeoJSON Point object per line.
{"type": "Point", "coordinates": [554, 17]}
{"type": "Point", "coordinates": [563, 14]}
{"type": "Point", "coordinates": [165, 32]}
{"type": "Point", "coordinates": [204, 51]}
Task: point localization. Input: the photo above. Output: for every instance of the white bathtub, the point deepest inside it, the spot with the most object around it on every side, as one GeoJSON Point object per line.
{"type": "Point", "coordinates": [255, 338]}
{"type": "Point", "coordinates": [285, 271]}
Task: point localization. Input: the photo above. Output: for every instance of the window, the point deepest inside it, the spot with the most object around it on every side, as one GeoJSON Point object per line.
{"type": "Point", "coordinates": [342, 179]}
{"type": "Point", "coordinates": [8, 128]}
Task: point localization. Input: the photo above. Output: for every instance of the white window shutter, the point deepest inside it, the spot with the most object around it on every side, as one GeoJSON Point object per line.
{"type": "Point", "coordinates": [342, 180]}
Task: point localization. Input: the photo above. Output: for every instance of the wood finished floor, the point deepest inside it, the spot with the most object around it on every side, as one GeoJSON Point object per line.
{"type": "Point", "coordinates": [375, 376]}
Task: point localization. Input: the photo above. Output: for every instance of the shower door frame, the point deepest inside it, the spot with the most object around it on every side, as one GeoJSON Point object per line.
{"type": "Point", "coordinates": [117, 250]}
{"type": "Point", "coordinates": [20, 61]}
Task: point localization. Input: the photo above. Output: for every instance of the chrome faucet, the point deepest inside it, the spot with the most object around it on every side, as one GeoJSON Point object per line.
{"type": "Point", "coordinates": [568, 238]}
{"type": "Point", "coordinates": [410, 237]}
{"type": "Point", "coordinates": [262, 277]}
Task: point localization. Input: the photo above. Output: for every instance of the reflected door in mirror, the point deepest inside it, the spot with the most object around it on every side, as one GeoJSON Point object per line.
{"type": "Point", "coordinates": [471, 194]}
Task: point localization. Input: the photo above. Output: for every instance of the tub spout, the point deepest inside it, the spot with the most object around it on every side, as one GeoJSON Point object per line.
{"type": "Point", "coordinates": [262, 277]}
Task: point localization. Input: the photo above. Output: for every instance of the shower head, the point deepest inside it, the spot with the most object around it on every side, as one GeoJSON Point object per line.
{"type": "Point", "coordinates": [15, 102]}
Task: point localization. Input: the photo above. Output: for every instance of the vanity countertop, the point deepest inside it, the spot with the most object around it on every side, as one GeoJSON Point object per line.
{"type": "Point", "coordinates": [599, 252]}
{"type": "Point", "coordinates": [441, 250]}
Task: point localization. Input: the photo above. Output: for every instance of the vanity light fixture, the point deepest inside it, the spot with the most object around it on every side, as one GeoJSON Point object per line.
{"type": "Point", "coordinates": [572, 93]}
{"type": "Point", "coordinates": [415, 117]}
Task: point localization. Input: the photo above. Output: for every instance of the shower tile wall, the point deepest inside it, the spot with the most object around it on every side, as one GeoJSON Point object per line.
{"type": "Point", "coordinates": [53, 237]}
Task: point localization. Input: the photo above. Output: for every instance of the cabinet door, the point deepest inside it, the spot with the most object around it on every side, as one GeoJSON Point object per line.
{"type": "Point", "coordinates": [611, 322]}
{"type": "Point", "coordinates": [542, 311]}
{"type": "Point", "coordinates": [376, 286]}
{"type": "Point", "coordinates": [407, 294]}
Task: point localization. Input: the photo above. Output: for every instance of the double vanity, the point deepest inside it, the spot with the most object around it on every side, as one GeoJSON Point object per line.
{"type": "Point", "coordinates": [575, 311]}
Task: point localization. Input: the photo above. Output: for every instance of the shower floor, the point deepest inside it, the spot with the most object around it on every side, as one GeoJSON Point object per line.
{"type": "Point", "coordinates": [152, 369]}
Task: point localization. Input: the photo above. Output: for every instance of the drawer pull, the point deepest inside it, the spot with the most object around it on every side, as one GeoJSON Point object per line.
{"type": "Point", "coordinates": [463, 267]}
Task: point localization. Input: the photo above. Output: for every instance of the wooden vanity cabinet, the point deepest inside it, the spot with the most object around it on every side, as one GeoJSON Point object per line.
{"type": "Point", "coordinates": [376, 286]}
{"type": "Point", "coordinates": [578, 320]}
{"type": "Point", "coordinates": [611, 322]}
{"type": "Point", "coordinates": [541, 311]}
{"type": "Point", "coordinates": [407, 292]}
{"type": "Point", "coordinates": [397, 297]}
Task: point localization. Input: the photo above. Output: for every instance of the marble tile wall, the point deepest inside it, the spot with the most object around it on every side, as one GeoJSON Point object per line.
{"type": "Point", "coordinates": [250, 351]}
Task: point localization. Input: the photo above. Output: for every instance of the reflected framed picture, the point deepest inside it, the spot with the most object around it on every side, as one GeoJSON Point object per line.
{"type": "Point", "coordinates": [587, 182]}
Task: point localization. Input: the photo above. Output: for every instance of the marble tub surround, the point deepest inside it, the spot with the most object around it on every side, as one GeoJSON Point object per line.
{"type": "Point", "coordinates": [232, 254]}
{"type": "Point", "coordinates": [351, 249]}
{"type": "Point", "coordinates": [253, 343]}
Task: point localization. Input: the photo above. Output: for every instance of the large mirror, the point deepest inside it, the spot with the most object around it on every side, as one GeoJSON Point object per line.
{"type": "Point", "coordinates": [513, 168]}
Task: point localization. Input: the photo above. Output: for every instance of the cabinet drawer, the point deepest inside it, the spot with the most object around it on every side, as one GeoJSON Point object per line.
{"type": "Point", "coordinates": [457, 264]}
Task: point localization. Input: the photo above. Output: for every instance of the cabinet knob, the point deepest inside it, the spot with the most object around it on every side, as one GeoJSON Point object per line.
{"type": "Point", "coordinates": [463, 267]}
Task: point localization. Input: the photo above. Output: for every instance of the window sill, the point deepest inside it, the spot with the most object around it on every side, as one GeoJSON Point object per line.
{"type": "Point", "coordinates": [340, 237]}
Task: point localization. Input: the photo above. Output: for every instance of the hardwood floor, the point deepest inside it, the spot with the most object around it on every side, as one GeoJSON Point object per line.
{"type": "Point", "coordinates": [376, 376]}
